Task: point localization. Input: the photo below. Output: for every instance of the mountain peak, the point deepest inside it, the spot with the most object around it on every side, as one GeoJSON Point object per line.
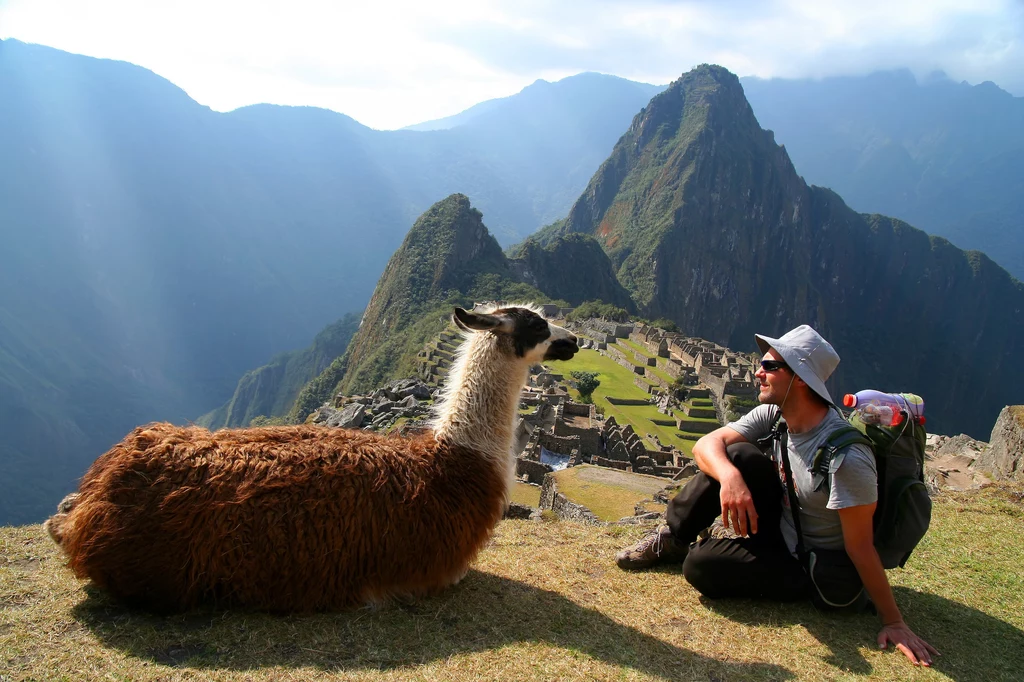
{"type": "Point", "coordinates": [448, 255]}
{"type": "Point", "coordinates": [448, 239]}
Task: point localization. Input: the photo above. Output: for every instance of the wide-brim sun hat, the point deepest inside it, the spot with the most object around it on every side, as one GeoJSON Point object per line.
{"type": "Point", "coordinates": [811, 357]}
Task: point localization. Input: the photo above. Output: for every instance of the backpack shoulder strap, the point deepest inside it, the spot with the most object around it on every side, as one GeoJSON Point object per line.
{"type": "Point", "coordinates": [768, 440]}
{"type": "Point", "coordinates": [842, 437]}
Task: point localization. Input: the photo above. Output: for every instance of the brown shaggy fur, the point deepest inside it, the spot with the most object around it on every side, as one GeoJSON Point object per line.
{"type": "Point", "coordinates": [262, 517]}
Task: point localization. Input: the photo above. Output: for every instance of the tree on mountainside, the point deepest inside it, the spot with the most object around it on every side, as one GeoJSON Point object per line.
{"type": "Point", "coordinates": [586, 382]}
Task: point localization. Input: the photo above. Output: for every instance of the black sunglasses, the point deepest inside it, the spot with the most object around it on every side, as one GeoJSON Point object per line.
{"type": "Point", "coordinates": [773, 365]}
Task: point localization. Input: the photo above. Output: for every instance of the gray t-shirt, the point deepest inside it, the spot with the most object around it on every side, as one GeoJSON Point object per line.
{"type": "Point", "coordinates": [854, 477]}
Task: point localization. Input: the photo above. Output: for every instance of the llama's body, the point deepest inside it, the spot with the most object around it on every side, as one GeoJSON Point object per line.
{"type": "Point", "coordinates": [303, 517]}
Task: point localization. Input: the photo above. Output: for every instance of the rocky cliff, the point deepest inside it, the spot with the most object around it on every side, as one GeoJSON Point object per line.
{"type": "Point", "coordinates": [572, 267]}
{"type": "Point", "coordinates": [1004, 458]}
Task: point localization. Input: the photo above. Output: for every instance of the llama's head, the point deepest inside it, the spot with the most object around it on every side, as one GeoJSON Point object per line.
{"type": "Point", "coordinates": [522, 332]}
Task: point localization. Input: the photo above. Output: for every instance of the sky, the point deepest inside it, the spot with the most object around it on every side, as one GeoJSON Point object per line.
{"type": "Point", "coordinates": [391, 64]}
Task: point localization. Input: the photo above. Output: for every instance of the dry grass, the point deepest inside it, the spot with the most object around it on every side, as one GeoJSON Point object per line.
{"type": "Point", "coordinates": [544, 602]}
{"type": "Point", "coordinates": [524, 493]}
{"type": "Point", "coordinates": [609, 493]}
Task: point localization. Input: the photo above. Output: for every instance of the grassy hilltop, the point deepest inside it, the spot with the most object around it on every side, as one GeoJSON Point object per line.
{"type": "Point", "coordinates": [544, 601]}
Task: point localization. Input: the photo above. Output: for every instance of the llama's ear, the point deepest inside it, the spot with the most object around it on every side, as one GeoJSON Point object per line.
{"type": "Point", "coordinates": [475, 321]}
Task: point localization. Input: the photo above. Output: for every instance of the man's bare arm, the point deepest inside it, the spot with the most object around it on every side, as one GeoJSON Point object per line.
{"type": "Point", "coordinates": [737, 503]}
{"type": "Point", "coordinates": [858, 538]}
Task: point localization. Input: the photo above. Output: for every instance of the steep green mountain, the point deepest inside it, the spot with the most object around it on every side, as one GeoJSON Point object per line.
{"type": "Point", "coordinates": [946, 157]}
{"type": "Point", "coordinates": [708, 224]}
{"type": "Point", "coordinates": [573, 267]}
{"type": "Point", "coordinates": [448, 258]}
{"type": "Point", "coordinates": [271, 390]}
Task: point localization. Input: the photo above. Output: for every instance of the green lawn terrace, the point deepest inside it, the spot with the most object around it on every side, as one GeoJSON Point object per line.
{"type": "Point", "coordinates": [666, 358]}
{"type": "Point", "coordinates": [619, 396]}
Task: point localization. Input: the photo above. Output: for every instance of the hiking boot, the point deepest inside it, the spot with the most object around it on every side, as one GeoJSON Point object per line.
{"type": "Point", "coordinates": [658, 547]}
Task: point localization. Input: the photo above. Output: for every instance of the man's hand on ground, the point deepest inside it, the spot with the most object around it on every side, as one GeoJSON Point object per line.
{"type": "Point", "coordinates": [738, 506]}
{"type": "Point", "coordinates": [918, 651]}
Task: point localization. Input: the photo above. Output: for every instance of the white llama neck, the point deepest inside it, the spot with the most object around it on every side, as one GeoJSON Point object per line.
{"type": "Point", "coordinates": [481, 397]}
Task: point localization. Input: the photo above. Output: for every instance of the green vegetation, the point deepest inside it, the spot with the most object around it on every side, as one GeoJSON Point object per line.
{"type": "Point", "coordinates": [572, 267]}
{"type": "Point", "coordinates": [585, 382]}
{"type": "Point", "coordinates": [262, 420]}
{"type": "Point", "coordinates": [637, 348]}
{"type": "Point", "coordinates": [642, 354]}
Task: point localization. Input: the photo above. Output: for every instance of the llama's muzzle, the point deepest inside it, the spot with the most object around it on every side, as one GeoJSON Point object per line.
{"type": "Point", "coordinates": [562, 349]}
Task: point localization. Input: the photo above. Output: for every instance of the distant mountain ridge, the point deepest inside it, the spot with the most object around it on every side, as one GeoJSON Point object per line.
{"type": "Point", "coordinates": [708, 224]}
{"type": "Point", "coordinates": [588, 89]}
{"type": "Point", "coordinates": [946, 157]}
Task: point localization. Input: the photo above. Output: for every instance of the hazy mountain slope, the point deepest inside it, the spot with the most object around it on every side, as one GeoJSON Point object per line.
{"type": "Point", "coordinates": [271, 390]}
{"type": "Point", "coordinates": [947, 157]}
{"type": "Point", "coordinates": [708, 224]}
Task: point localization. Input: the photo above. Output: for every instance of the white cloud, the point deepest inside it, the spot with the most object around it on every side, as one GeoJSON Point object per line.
{"type": "Point", "coordinates": [389, 64]}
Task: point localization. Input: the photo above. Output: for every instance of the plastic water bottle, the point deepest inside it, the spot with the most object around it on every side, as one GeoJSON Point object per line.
{"type": "Point", "coordinates": [885, 409]}
{"type": "Point", "coordinates": [883, 415]}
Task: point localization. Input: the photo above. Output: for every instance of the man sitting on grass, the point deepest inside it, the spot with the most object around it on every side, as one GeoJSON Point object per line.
{"type": "Point", "coordinates": [748, 489]}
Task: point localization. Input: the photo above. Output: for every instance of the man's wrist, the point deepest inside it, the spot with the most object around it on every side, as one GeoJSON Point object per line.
{"type": "Point", "coordinates": [729, 474]}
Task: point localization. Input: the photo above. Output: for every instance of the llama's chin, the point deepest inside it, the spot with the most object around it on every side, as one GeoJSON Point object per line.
{"type": "Point", "coordinates": [561, 350]}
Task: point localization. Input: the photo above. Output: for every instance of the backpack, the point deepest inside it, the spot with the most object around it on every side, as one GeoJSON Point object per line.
{"type": "Point", "coordinates": [904, 507]}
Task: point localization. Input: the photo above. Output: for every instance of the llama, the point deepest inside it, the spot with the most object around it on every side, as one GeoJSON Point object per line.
{"type": "Point", "coordinates": [311, 518]}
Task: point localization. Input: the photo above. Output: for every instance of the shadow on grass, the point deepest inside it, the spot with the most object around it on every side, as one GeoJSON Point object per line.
{"type": "Point", "coordinates": [483, 613]}
{"type": "Point", "coordinates": [974, 646]}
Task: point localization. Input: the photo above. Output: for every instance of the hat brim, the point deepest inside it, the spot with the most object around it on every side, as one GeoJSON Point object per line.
{"type": "Point", "coordinates": [793, 359]}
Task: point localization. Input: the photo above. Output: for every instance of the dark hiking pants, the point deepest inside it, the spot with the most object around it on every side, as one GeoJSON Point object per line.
{"type": "Point", "coordinates": [758, 566]}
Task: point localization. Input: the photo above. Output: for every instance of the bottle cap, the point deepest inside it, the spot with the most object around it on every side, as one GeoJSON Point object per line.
{"type": "Point", "coordinates": [849, 400]}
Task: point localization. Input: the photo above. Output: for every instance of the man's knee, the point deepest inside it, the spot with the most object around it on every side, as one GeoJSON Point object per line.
{"type": "Point", "coordinates": [750, 461]}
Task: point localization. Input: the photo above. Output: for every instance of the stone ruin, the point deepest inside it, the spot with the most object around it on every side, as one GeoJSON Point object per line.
{"type": "Point", "coordinates": [381, 409]}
